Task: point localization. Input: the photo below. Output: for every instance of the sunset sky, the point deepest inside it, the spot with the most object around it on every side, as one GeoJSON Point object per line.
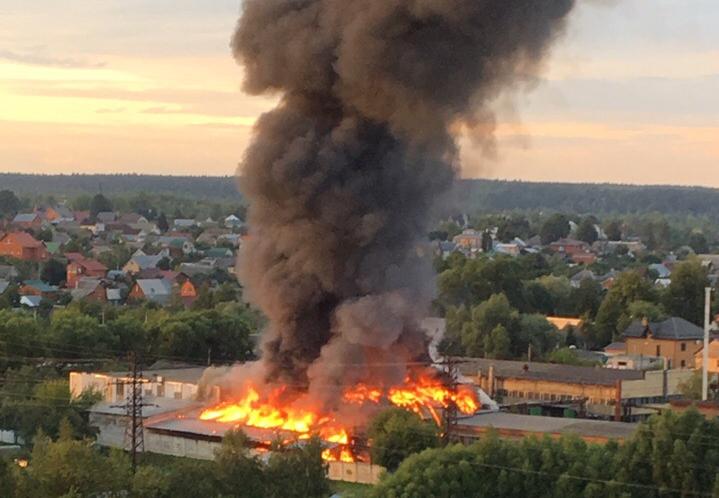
{"type": "Point", "coordinates": [630, 94]}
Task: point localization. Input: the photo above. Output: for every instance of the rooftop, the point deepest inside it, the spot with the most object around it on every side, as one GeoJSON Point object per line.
{"type": "Point", "coordinates": [548, 371]}
{"type": "Point", "coordinates": [674, 328]}
{"type": "Point", "coordinates": [550, 425]}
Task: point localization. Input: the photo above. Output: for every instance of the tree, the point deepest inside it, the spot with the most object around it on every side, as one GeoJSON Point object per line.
{"type": "Point", "coordinates": [237, 469]}
{"type": "Point", "coordinates": [514, 226]}
{"type": "Point", "coordinates": [53, 272]}
{"type": "Point", "coordinates": [396, 433]}
{"type": "Point", "coordinates": [685, 295]}
{"type": "Point", "coordinates": [698, 242]}
{"type": "Point", "coordinates": [613, 230]}
{"type": "Point", "coordinates": [629, 287]}
{"type": "Point", "coordinates": [9, 203]}
{"type": "Point", "coordinates": [297, 472]}
{"type": "Point", "coordinates": [586, 231]}
{"type": "Point", "coordinates": [99, 204]}
{"type": "Point", "coordinates": [555, 228]}
{"type": "Point", "coordinates": [162, 223]}
{"type": "Point", "coordinates": [72, 468]}
{"type": "Point", "coordinates": [497, 344]}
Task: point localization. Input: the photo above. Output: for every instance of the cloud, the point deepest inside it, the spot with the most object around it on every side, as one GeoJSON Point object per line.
{"type": "Point", "coordinates": [38, 59]}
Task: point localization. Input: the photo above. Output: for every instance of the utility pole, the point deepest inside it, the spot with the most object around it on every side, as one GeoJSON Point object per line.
{"type": "Point", "coordinates": [134, 430]}
{"type": "Point", "coordinates": [705, 352]}
{"type": "Point", "coordinates": [450, 412]}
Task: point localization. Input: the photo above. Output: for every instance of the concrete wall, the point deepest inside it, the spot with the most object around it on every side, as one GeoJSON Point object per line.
{"type": "Point", "coordinates": [179, 447]}
{"type": "Point", "coordinates": [359, 472]}
{"type": "Point", "coordinates": [653, 384]}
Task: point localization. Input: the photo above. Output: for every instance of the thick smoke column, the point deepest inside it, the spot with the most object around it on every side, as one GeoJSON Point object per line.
{"type": "Point", "coordinates": [342, 175]}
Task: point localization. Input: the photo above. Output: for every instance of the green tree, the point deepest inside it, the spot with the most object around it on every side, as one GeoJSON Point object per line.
{"type": "Point", "coordinates": [613, 230]}
{"type": "Point", "coordinates": [66, 466]}
{"type": "Point", "coordinates": [629, 287]}
{"type": "Point", "coordinates": [514, 226]}
{"type": "Point", "coordinates": [554, 228]}
{"type": "Point", "coordinates": [698, 242]}
{"type": "Point", "coordinates": [9, 203]}
{"type": "Point", "coordinates": [237, 469]}
{"type": "Point", "coordinates": [99, 204]}
{"type": "Point", "coordinates": [497, 344]}
{"type": "Point", "coordinates": [396, 433]}
{"type": "Point", "coordinates": [685, 295]}
{"type": "Point", "coordinates": [297, 472]}
{"type": "Point", "coordinates": [53, 272]}
{"type": "Point", "coordinates": [586, 231]}
{"type": "Point", "coordinates": [162, 223]}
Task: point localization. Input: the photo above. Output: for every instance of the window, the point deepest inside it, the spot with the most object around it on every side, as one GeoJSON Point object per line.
{"type": "Point", "coordinates": [684, 346]}
{"type": "Point", "coordinates": [683, 364]}
{"type": "Point", "coordinates": [659, 350]}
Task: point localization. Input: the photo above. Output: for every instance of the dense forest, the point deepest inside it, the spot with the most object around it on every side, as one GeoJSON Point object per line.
{"type": "Point", "coordinates": [471, 195]}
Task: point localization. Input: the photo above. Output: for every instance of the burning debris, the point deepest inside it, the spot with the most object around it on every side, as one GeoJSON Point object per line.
{"type": "Point", "coordinates": [341, 179]}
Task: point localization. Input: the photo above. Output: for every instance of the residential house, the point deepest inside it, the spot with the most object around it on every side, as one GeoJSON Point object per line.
{"type": "Point", "coordinates": [233, 238]}
{"type": "Point", "coordinates": [583, 258]}
{"type": "Point", "coordinates": [30, 301]}
{"type": "Point", "coordinates": [675, 339]}
{"type": "Point", "coordinates": [579, 277]}
{"type": "Point", "coordinates": [188, 292]}
{"type": "Point", "coordinates": [156, 290]}
{"type": "Point", "coordinates": [106, 217]}
{"type": "Point", "coordinates": [180, 223]}
{"type": "Point", "coordinates": [511, 248]}
{"type": "Point", "coordinates": [564, 324]}
{"type": "Point", "coordinates": [615, 349]}
{"type": "Point", "coordinates": [59, 214]}
{"type": "Point", "coordinates": [661, 270]}
{"type": "Point", "coordinates": [141, 262]}
{"type": "Point", "coordinates": [73, 257]}
{"type": "Point", "coordinates": [26, 221]}
{"type": "Point", "coordinates": [39, 288]}
{"type": "Point", "coordinates": [219, 252]}
{"type": "Point", "coordinates": [233, 221]}
{"type": "Point", "coordinates": [84, 268]}
{"type": "Point", "coordinates": [196, 269]}
{"type": "Point", "coordinates": [469, 239]}
{"type": "Point", "coordinates": [444, 248]}
{"type": "Point", "coordinates": [22, 245]}
{"type": "Point", "coordinates": [178, 246]}
{"type": "Point", "coordinates": [569, 247]}
{"type": "Point", "coordinates": [89, 289]}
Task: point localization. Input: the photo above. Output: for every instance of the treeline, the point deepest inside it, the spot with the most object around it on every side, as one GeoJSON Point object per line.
{"type": "Point", "coordinates": [489, 195]}
{"type": "Point", "coordinates": [471, 195]}
{"type": "Point", "coordinates": [669, 456]}
{"type": "Point", "coordinates": [72, 468]}
{"type": "Point", "coordinates": [208, 187]}
{"type": "Point", "coordinates": [87, 330]}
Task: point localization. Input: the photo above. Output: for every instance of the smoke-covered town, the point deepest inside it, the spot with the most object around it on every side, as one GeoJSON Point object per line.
{"type": "Point", "coordinates": [359, 249]}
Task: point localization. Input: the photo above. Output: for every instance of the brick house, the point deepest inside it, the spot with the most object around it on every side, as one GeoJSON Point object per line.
{"type": "Point", "coordinates": [569, 247]}
{"type": "Point", "coordinates": [25, 221]}
{"type": "Point", "coordinates": [84, 268]}
{"type": "Point", "coordinates": [469, 239]}
{"type": "Point", "coordinates": [674, 339]}
{"type": "Point", "coordinates": [22, 245]}
{"type": "Point", "coordinates": [39, 288]}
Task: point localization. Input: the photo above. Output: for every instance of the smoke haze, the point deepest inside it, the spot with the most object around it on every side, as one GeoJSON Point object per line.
{"type": "Point", "coordinates": [341, 177]}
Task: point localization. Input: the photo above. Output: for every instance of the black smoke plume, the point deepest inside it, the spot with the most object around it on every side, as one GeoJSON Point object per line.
{"type": "Point", "coordinates": [341, 176]}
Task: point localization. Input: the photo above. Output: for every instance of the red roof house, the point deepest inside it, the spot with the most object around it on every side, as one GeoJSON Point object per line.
{"type": "Point", "coordinates": [84, 268]}
{"type": "Point", "coordinates": [22, 245]}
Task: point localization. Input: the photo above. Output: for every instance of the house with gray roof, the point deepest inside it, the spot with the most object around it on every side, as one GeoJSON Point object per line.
{"type": "Point", "coordinates": [156, 290]}
{"type": "Point", "coordinates": [674, 339]}
{"type": "Point", "coordinates": [141, 262]}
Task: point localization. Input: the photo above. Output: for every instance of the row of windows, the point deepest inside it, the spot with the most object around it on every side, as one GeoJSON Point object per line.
{"type": "Point", "coordinates": [534, 396]}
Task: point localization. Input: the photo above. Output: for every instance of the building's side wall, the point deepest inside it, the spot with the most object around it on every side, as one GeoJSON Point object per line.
{"type": "Point", "coordinates": [668, 349]}
{"type": "Point", "coordinates": [359, 472]}
{"type": "Point", "coordinates": [180, 447]}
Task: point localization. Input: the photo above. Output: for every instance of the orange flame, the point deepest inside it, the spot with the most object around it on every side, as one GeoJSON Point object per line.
{"type": "Point", "coordinates": [423, 396]}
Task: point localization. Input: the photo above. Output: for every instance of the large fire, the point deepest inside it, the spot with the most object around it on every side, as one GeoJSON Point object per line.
{"type": "Point", "coordinates": [424, 395]}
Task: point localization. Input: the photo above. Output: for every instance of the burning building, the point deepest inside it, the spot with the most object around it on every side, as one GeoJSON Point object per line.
{"type": "Point", "coordinates": [342, 178]}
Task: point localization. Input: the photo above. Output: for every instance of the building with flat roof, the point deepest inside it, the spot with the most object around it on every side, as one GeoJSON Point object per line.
{"type": "Point", "coordinates": [515, 426]}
